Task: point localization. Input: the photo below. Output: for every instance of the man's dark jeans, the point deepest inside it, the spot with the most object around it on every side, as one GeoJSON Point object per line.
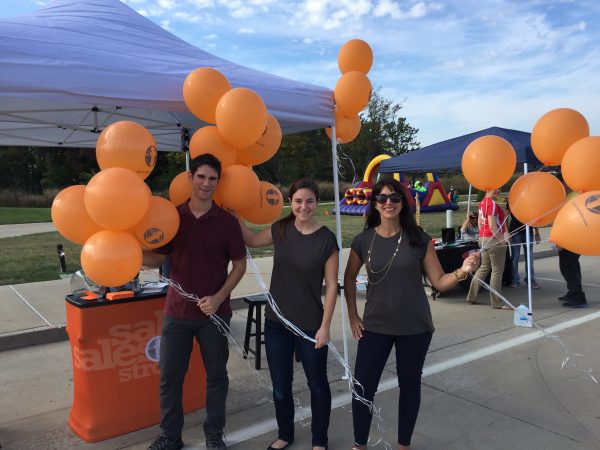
{"type": "Point", "coordinates": [568, 263]}
{"type": "Point", "coordinates": [175, 349]}
{"type": "Point", "coordinates": [280, 344]}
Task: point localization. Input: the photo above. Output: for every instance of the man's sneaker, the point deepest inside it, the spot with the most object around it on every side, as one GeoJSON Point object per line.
{"type": "Point", "coordinates": [214, 440]}
{"type": "Point", "coordinates": [534, 285]}
{"type": "Point", "coordinates": [564, 298]}
{"type": "Point", "coordinates": [164, 442]}
{"type": "Point", "coordinates": [513, 285]}
{"type": "Point", "coordinates": [572, 303]}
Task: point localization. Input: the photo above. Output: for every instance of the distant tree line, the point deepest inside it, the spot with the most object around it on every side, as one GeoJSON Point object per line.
{"type": "Point", "coordinates": [33, 170]}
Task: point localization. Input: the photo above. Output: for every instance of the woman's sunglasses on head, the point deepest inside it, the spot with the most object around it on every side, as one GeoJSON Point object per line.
{"type": "Point", "coordinates": [394, 197]}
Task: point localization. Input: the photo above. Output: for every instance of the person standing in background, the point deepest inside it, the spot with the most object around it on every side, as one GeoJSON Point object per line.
{"type": "Point", "coordinates": [493, 239]}
{"type": "Point", "coordinates": [518, 237]}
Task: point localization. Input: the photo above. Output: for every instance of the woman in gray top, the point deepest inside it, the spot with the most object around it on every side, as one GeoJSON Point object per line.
{"type": "Point", "coordinates": [306, 253]}
{"type": "Point", "coordinates": [395, 251]}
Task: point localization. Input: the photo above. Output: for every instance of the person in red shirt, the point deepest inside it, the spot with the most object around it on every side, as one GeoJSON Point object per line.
{"type": "Point", "coordinates": [208, 239]}
{"type": "Point", "coordinates": [493, 239]}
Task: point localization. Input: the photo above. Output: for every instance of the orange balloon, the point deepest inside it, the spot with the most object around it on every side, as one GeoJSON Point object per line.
{"type": "Point", "coordinates": [238, 187]}
{"type": "Point", "coordinates": [352, 93]}
{"type": "Point", "coordinates": [111, 258]}
{"type": "Point", "coordinates": [580, 166]}
{"type": "Point", "coordinates": [202, 90]}
{"type": "Point", "coordinates": [70, 216]}
{"type": "Point", "coordinates": [208, 140]}
{"type": "Point", "coordinates": [180, 189]}
{"type": "Point", "coordinates": [128, 145]}
{"type": "Point", "coordinates": [577, 225]}
{"type": "Point", "coordinates": [241, 117]}
{"type": "Point", "coordinates": [116, 198]}
{"type": "Point", "coordinates": [263, 149]}
{"type": "Point", "coordinates": [268, 206]}
{"type": "Point", "coordinates": [355, 54]}
{"type": "Point", "coordinates": [346, 128]}
{"type": "Point", "coordinates": [159, 225]}
{"type": "Point", "coordinates": [554, 133]}
{"type": "Point", "coordinates": [489, 162]}
{"type": "Point", "coordinates": [535, 198]}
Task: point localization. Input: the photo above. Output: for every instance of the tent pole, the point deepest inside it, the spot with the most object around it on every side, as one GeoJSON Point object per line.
{"type": "Point", "coordinates": [469, 200]}
{"type": "Point", "coordinates": [529, 256]}
{"type": "Point", "coordinates": [338, 234]}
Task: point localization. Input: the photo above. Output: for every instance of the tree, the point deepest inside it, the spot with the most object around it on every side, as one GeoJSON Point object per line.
{"type": "Point", "coordinates": [383, 130]}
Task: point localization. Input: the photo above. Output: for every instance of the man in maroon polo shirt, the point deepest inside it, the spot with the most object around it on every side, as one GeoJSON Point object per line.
{"type": "Point", "coordinates": [207, 240]}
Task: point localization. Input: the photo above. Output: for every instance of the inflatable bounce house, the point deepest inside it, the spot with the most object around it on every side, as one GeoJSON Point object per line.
{"type": "Point", "coordinates": [431, 194]}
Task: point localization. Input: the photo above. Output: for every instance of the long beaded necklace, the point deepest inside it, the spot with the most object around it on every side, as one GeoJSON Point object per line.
{"type": "Point", "coordinates": [386, 267]}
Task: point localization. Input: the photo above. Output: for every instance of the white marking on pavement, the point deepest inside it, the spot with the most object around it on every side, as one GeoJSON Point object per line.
{"type": "Point", "coordinates": [269, 425]}
{"type": "Point", "coordinates": [32, 308]}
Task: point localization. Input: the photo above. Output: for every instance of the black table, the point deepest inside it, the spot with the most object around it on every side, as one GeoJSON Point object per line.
{"type": "Point", "coordinates": [451, 257]}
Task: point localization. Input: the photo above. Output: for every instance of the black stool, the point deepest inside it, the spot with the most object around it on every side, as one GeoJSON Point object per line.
{"type": "Point", "coordinates": [255, 303]}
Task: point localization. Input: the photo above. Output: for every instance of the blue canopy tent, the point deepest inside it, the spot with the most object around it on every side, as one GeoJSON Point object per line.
{"type": "Point", "coordinates": [447, 155]}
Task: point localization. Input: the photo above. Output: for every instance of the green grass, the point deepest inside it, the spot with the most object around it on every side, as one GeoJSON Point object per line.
{"type": "Point", "coordinates": [32, 258]}
{"type": "Point", "coordinates": [24, 215]}
{"type": "Point", "coordinates": [25, 259]}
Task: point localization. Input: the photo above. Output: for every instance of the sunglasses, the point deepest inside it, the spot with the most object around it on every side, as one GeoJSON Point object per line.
{"type": "Point", "coordinates": [393, 197]}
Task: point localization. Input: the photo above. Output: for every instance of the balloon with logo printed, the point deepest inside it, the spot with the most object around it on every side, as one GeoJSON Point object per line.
{"type": "Point", "coordinates": [357, 55]}
{"type": "Point", "coordinates": [267, 206]}
{"type": "Point", "coordinates": [263, 149]}
{"type": "Point", "coordinates": [209, 140]}
{"type": "Point", "coordinates": [159, 225]}
{"type": "Point", "coordinates": [70, 216]}
{"type": "Point", "coordinates": [577, 225]}
{"type": "Point", "coordinates": [128, 145]}
{"type": "Point", "coordinates": [581, 165]}
{"type": "Point", "coordinates": [352, 93]}
{"type": "Point", "coordinates": [116, 198]}
{"type": "Point", "coordinates": [180, 189]}
{"type": "Point", "coordinates": [241, 117]}
{"type": "Point", "coordinates": [535, 198]}
{"type": "Point", "coordinates": [346, 128]}
{"type": "Point", "coordinates": [489, 162]}
{"type": "Point", "coordinates": [111, 258]}
{"type": "Point", "coordinates": [202, 90]}
{"type": "Point", "coordinates": [554, 133]}
{"type": "Point", "coordinates": [238, 187]}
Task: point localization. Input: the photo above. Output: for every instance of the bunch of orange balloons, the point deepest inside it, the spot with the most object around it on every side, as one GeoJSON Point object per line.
{"type": "Point", "coordinates": [115, 215]}
{"type": "Point", "coordinates": [353, 90]}
{"type": "Point", "coordinates": [562, 137]}
{"type": "Point", "coordinates": [243, 134]}
{"type": "Point", "coordinates": [559, 138]}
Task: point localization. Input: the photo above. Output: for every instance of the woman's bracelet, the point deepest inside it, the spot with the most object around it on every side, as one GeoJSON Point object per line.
{"type": "Point", "coordinates": [458, 279]}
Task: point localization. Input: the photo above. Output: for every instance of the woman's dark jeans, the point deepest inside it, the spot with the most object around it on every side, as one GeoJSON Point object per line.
{"type": "Point", "coordinates": [372, 354]}
{"type": "Point", "coordinates": [280, 344]}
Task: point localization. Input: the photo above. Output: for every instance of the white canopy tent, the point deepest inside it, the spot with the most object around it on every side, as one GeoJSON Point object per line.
{"type": "Point", "coordinates": [76, 66]}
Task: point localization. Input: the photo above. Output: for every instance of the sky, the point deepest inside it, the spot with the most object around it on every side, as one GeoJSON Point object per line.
{"type": "Point", "coordinates": [455, 66]}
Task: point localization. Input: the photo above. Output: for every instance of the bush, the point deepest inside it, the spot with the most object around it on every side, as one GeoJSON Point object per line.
{"type": "Point", "coordinates": [21, 199]}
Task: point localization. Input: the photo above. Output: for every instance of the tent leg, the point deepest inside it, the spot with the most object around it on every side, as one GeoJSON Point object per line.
{"type": "Point", "coordinates": [529, 257]}
{"type": "Point", "coordinates": [338, 233]}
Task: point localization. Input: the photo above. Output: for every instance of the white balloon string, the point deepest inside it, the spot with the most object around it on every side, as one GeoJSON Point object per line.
{"type": "Point", "coordinates": [569, 357]}
{"type": "Point", "coordinates": [519, 229]}
{"type": "Point", "coordinates": [219, 323]}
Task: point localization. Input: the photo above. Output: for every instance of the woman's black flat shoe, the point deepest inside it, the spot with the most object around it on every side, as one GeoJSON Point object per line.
{"type": "Point", "coordinates": [280, 448]}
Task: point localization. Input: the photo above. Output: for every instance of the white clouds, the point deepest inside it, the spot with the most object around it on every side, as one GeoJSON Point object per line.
{"type": "Point", "coordinates": [392, 8]}
{"type": "Point", "coordinates": [166, 4]}
{"type": "Point", "coordinates": [331, 15]}
{"type": "Point", "coordinates": [246, 31]}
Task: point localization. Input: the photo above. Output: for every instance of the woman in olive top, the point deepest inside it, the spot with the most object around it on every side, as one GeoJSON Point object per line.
{"type": "Point", "coordinates": [306, 252]}
{"type": "Point", "coordinates": [395, 251]}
